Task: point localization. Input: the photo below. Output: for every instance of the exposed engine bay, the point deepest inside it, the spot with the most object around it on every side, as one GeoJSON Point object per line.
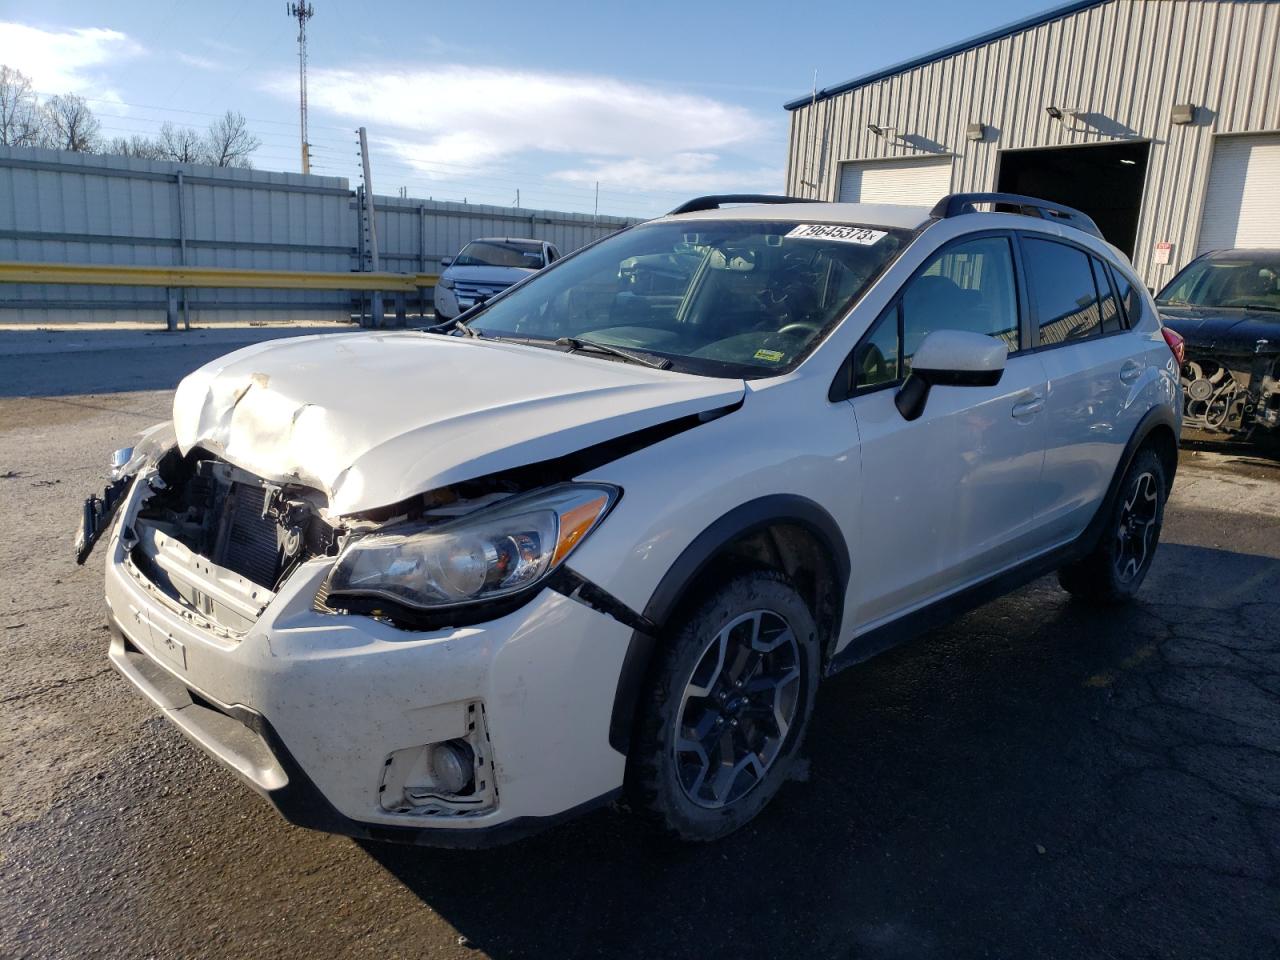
{"type": "Point", "coordinates": [1235, 395]}
{"type": "Point", "coordinates": [221, 541]}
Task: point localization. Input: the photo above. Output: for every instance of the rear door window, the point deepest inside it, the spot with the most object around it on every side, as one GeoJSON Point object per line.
{"type": "Point", "coordinates": [1063, 294]}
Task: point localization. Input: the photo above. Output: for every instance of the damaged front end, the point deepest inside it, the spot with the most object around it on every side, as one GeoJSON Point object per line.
{"type": "Point", "coordinates": [98, 512]}
{"type": "Point", "coordinates": [1230, 393]}
{"type": "Point", "coordinates": [219, 542]}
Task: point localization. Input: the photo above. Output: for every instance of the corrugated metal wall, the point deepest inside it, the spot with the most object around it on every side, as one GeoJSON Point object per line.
{"type": "Point", "coordinates": [1123, 64]}
{"type": "Point", "coordinates": [65, 207]}
{"type": "Point", "coordinates": [414, 234]}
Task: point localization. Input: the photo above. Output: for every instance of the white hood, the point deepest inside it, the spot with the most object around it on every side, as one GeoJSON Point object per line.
{"type": "Point", "coordinates": [374, 418]}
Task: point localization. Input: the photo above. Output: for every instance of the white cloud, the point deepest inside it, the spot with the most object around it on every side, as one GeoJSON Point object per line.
{"type": "Point", "coordinates": [64, 61]}
{"type": "Point", "coordinates": [679, 173]}
{"type": "Point", "coordinates": [476, 115]}
{"type": "Point", "coordinates": [201, 63]}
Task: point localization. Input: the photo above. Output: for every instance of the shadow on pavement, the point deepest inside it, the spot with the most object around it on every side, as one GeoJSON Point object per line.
{"type": "Point", "coordinates": [1041, 778]}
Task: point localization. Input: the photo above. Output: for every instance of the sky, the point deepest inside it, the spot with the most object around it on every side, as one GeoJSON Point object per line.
{"type": "Point", "coordinates": [656, 101]}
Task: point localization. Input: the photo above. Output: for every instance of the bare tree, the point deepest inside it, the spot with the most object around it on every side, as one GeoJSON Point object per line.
{"type": "Point", "coordinates": [229, 142]}
{"type": "Point", "coordinates": [69, 124]}
{"type": "Point", "coordinates": [19, 110]}
{"type": "Point", "coordinates": [182, 144]}
{"type": "Point", "coordinates": [135, 146]}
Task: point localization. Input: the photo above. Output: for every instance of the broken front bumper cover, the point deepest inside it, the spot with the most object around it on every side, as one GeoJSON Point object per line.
{"type": "Point", "coordinates": [98, 512]}
{"type": "Point", "coordinates": [96, 515]}
{"type": "Point", "coordinates": [245, 742]}
{"type": "Point", "coordinates": [348, 693]}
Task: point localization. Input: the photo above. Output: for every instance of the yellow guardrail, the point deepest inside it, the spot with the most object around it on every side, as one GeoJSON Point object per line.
{"type": "Point", "coordinates": [130, 276]}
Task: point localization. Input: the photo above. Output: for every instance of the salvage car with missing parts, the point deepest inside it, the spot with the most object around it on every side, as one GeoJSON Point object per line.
{"type": "Point", "coordinates": [1226, 306]}
{"type": "Point", "coordinates": [602, 536]}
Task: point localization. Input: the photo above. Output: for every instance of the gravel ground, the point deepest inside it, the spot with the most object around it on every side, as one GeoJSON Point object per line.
{"type": "Point", "coordinates": [1038, 779]}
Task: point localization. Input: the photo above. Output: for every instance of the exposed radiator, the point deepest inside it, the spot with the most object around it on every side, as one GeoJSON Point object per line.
{"type": "Point", "coordinates": [249, 542]}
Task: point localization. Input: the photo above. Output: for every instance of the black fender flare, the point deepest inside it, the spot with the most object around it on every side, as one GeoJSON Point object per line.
{"type": "Point", "coordinates": [742, 521]}
{"type": "Point", "coordinates": [1158, 416]}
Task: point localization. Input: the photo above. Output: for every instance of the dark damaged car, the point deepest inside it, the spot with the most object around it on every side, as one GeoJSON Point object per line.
{"type": "Point", "coordinates": [1226, 306]}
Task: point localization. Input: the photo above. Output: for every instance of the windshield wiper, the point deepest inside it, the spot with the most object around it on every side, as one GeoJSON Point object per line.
{"type": "Point", "coordinates": [457, 323]}
{"type": "Point", "coordinates": [580, 343]}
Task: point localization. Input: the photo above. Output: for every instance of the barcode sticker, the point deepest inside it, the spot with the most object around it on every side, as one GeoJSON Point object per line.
{"type": "Point", "coordinates": [830, 231]}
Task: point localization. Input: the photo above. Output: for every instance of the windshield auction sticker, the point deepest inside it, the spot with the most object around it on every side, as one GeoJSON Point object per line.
{"type": "Point", "coordinates": [843, 234]}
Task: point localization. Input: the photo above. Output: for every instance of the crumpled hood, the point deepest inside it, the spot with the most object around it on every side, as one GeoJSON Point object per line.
{"type": "Point", "coordinates": [1233, 331]}
{"type": "Point", "coordinates": [374, 418]}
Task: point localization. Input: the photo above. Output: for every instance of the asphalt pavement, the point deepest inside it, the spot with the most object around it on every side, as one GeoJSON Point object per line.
{"type": "Point", "coordinates": [1038, 779]}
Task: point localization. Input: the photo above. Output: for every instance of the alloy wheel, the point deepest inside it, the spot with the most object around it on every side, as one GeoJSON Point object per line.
{"type": "Point", "coordinates": [1137, 527]}
{"type": "Point", "coordinates": [736, 709]}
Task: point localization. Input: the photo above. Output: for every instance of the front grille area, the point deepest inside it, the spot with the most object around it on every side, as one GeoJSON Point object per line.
{"type": "Point", "coordinates": [221, 540]}
{"type": "Point", "coordinates": [249, 544]}
{"type": "Point", "coordinates": [471, 291]}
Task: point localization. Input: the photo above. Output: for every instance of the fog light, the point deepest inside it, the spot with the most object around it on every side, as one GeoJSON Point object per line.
{"type": "Point", "coordinates": [452, 766]}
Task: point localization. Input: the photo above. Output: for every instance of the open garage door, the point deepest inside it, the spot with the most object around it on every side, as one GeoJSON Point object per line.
{"type": "Point", "coordinates": [1242, 205]}
{"type": "Point", "coordinates": [917, 181]}
{"type": "Point", "coordinates": [1104, 180]}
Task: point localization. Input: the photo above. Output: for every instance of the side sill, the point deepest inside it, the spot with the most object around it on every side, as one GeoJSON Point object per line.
{"type": "Point", "coordinates": [886, 637]}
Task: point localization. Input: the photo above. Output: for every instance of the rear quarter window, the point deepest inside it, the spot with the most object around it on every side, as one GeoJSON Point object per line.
{"type": "Point", "coordinates": [1130, 297]}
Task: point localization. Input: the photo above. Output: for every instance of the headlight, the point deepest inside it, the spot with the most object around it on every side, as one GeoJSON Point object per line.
{"type": "Point", "coordinates": [446, 283]}
{"type": "Point", "coordinates": [492, 553]}
{"type": "Point", "coordinates": [153, 443]}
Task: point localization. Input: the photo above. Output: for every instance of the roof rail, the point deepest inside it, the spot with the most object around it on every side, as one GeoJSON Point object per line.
{"type": "Point", "coordinates": [960, 203]}
{"type": "Point", "coordinates": [715, 202]}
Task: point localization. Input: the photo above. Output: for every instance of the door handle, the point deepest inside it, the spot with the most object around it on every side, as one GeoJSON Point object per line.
{"type": "Point", "coordinates": [1130, 371]}
{"type": "Point", "coordinates": [1029, 407]}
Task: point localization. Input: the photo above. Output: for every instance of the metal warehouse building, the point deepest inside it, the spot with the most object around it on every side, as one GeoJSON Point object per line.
{"type": "Point", "coordinates": [1159, 118]}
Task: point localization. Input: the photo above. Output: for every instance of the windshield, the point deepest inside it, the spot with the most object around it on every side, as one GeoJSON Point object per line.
{"type": "Point", "coordinates": [729, 298]}
{"type": "Point", "coordinates": [501, 253]}
{"type": "Point", "coordinates": [1245, 281]}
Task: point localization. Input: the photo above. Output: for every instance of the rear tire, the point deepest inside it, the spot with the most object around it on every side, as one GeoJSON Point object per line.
{"type": "Point", "coordinates": [726, 708]}
{"type": "Point", "coordinates": [1118, 565]}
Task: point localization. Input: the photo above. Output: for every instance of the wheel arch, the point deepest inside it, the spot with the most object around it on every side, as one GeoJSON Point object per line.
{"type": "Point", "coordinates": [1164, 440]}
{"type": "Point", "coordinates": [1157, 429]}
{"type": "Point", "coordinates": [782, 531]}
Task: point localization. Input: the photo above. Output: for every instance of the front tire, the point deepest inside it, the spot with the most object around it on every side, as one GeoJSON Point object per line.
{"type": "Point", "coordinates": [726, 708]}
{"type": "Point", "coordinates": [1118, 565]}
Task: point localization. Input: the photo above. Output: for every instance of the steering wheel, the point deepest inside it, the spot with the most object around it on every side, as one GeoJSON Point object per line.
{"type": "Point", "coordinates": [794, 329]}
{"type": "Point", "coordinates": [874, 368]}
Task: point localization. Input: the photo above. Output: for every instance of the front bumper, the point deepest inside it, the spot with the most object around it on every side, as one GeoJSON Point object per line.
{"type": "Point", "coordinates": [308, 707]}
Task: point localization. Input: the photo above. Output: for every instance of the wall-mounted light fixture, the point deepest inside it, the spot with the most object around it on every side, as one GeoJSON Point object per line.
{"type": "Point", "coordinates": [878, 130]}
{"type": "Point", "coordinates": [1183, 113]}
{"type": "Point", "coordinates": [1054, 112]}
{"type": "Point", "coordinates": [975, 132]}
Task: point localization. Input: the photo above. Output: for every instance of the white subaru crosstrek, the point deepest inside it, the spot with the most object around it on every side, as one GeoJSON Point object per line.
{"type": "Point", "coordinates": [603, 536]}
